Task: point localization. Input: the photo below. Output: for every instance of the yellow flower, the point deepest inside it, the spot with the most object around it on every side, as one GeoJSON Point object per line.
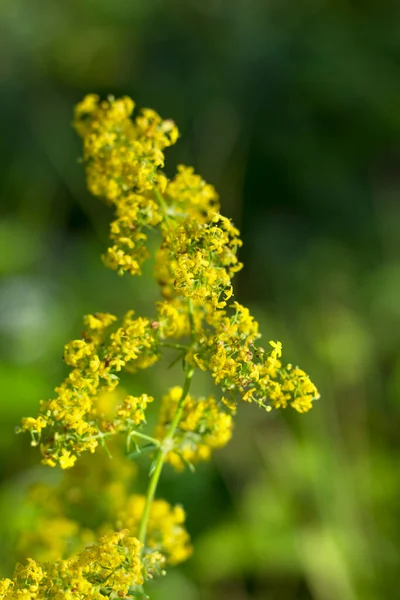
{"type": "Point", "coordinates": [34, 425]}
{"type": "Point", "coordinates": [204, 426]}
{"type": "Point", "coordinates": [66, 459]}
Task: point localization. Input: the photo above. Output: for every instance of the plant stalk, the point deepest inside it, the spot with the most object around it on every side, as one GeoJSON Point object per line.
{"type": "Point", "coordinates": [162, 451]}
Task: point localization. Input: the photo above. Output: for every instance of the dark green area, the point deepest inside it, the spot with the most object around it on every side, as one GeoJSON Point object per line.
{"type": "Point", "coordinates": [292, 110]}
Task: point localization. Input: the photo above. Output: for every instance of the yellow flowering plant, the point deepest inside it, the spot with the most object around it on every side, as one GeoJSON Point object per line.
{"type": "Point", "coordinates": [134, 537]}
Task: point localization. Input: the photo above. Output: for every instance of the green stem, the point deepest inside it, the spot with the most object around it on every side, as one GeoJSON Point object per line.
{"type": "Point", "coordinates": [142, 436]}
{"type": "Point", "coordinates": [163, 205]}
{"type": "Point", "coordinates": [165, 444]}
{"type": "Point", "coordinates": [147, 438]}
{"type": "Point", "coordinates": [164, 448]}
{"type": "Point", "coordinates": [191, 321]}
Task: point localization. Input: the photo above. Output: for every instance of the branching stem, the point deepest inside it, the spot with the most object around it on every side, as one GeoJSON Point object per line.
{"type": "Point", "coordinates": [147, 438]}
{"type": "Point", "coordinates": [164, 448]}
{"type": "Point", "coordinates": [166, 443]}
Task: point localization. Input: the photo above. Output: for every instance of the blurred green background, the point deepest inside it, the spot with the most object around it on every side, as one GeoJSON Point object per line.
{"type": "Point", "coordinates": [292, 110]}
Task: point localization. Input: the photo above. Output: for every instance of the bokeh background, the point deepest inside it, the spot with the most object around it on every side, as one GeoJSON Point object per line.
{"type": "Point", "coordinates": [292, 110]}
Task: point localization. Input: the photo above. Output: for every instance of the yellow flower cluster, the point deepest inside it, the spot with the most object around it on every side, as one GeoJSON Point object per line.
{"type": "Point", "coordinates": [194, 266]}
{"type": "Point", "coordinates": [115, 567]}
{"type": "Point", "coordinates": [229, 351]}
{"type": "Point", "coordinates": [197, 257]}
{"type": "Point", "coordinates": [188, 195]}
{"type": "Point", "coordinates": [123, 158]}
{"type": "Point", "coordinates": [131, 412]}
{"type": "Point", "coordinates": [72, 421]}
{"type": "Point", "coordinates": [94, 499]}
{"type": "Point", "coordinates": [203, 427]}
{"type": "Point", "coordinates": [197, 260]}
{"type": "Point", "coordinates": [225, 344]}
{"type": "Point", "coordinates": [198, 252]}
{"type": "Point", "coordinates": [67, 516]}
{"type": "Point", "coordinates": [173, 319]}
{"type": "Point", "coordinates": [166, 531]}
{"type": "Point", "coordinates": [122, 155]}
{"type": "Point", "coordinates": [134, 214]}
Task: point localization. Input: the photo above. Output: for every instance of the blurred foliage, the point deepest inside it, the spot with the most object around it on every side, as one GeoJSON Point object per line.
{"type": "Point", "coordinates": [292, 111]}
